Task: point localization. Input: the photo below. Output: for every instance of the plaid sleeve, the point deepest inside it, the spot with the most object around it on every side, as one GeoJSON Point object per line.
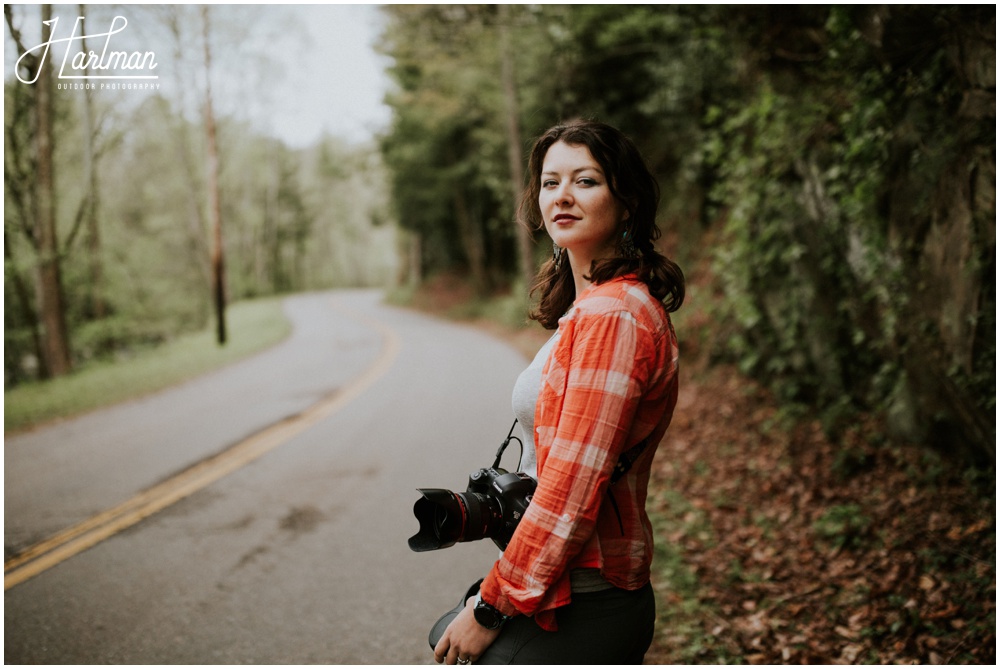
{"type": "Point", "coordinates": [597, 375]}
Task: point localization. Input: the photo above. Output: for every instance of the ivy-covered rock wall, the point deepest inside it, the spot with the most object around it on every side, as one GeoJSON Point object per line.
{"type": "Point", "coordinates": [859, 260]}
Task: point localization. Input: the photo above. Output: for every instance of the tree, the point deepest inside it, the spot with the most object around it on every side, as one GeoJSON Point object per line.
{"type": "Point", "coordinates": [91, 200]}
{"type": "Point", "coordinates": [215, 206]}
{"type": "Point", "coordinates": [54, 336]}
{"type": "Point", "coordinates": [452, 173]}
{"type": "Point", "coordinates": [515, 157]}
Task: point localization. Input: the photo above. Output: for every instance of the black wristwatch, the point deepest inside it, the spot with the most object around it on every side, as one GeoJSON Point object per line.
{"type": "Point", "coordinates": [488, 615]}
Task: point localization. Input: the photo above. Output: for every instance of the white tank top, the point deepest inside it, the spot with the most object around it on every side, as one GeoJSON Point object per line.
{"type": "Point", "coordinates": [524, 399]}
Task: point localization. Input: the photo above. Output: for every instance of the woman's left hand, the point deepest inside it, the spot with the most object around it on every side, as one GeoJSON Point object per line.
{"type": "Point", "coordinates": [464, 640]}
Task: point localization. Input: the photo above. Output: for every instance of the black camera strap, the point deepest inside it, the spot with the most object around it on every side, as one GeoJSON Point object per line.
{"type": "Point", "coordinates": [625, 463]}
{"type": "Point", "coordinates": [503, 447]}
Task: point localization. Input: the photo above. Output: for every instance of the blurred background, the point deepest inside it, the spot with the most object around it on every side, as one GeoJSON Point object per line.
{"type": "Point", "coordinates": [828, 180]}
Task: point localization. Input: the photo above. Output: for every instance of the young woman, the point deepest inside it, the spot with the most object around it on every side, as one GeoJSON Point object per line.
{"type": "Point", "coordinates": [573, 584]}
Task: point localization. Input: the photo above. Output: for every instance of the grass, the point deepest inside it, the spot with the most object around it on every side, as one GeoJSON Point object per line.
{"type": "Point", "coordinates": [680, 608]}
{"type": "Point", "coordinates": [252, 325]}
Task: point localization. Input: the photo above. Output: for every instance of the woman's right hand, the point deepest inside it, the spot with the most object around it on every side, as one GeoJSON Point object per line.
{"type": "Point", "coordinates": [465, 640]}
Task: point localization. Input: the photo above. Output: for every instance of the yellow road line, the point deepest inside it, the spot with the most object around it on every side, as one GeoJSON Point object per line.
{"type": "Point", "coordinates": [78, 538]}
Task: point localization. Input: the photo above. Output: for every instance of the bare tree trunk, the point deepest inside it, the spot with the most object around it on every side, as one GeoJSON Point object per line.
{"type": "Point", "coordinates": [97, 305]}
{"type": "Point", "coordinates": [197, 244]}
{"type": "Point", "coordinates": [21, 185]}
{"type": "Point", "coordinates": [472, 239]}
{"type": "Point", "coordinates": [28, 316]}
{"type": "Point", "coordinates": [415, 260]}
{"type": "Point", "coordinates": [215, 207]}
{"type": "Point", "coordinates": [50, 300]}
{"type": "Point", "coordinates": [514, 155]}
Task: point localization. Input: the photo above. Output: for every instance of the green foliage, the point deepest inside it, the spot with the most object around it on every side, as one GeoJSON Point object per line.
{"type": "Point", "coordinates": [828, 240]}
{"type": "Point", "coordinates": [681, 607]}
{"type": "Point", "coordinates": [450, 176]}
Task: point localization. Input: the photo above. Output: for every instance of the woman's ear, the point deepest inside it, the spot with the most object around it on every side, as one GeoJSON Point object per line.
{"type": "Point", "coordinates": [630, 206]}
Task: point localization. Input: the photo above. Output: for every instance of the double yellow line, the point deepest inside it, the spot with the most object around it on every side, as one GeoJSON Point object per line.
{"type": "Point", "coordinates": [78, 538]}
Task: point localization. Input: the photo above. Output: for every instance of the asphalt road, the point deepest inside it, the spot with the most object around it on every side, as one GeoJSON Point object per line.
{"type": "Point", "coordinates": [298, 556]}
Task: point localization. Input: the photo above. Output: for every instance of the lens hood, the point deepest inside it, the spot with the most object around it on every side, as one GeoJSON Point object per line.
{"type": "Point", "coordinates": [442, 515]}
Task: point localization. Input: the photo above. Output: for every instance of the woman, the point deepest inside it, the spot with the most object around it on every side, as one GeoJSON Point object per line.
{"type": "Point", "coordinates": [573, 584]}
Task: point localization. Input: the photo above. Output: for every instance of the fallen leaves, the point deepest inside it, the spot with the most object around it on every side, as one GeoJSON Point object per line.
{"type": "Point", "coordinates": [802, 554]}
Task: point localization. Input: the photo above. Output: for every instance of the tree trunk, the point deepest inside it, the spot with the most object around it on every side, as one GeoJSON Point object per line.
{"type": "Point", "coordinates": [415, 260]}
{"type": "Point", "coordinates": [50, 300]}
{"type": "Point", "coordinates": [97, 305]}
{"type": "Point", "coordinates": [215, 207]}
{"type": "Point", "coordinates": [514, 155]}
{"type": "Point", "coordinates": [198, 248]}
{"type": "Point", "coordinates": [472, 240]}
{"type": "Point", "coordinates": [21, 184]}
{"type": "Point", "coordinates": [23, 294]}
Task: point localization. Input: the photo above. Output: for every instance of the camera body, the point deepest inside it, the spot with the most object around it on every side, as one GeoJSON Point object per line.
{"type": "Point", "coordinates": [492, 505]}
{"type": "Point", "coordinates": [513, 490]}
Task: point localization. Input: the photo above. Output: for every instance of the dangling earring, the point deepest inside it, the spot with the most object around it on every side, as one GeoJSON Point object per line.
{"type": "Point", "coordinates": [556, 255]}
{"type": "Point", "coordinates": [627, 247]}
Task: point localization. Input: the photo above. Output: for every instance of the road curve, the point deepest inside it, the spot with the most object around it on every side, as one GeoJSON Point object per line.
{"type": "Point", "coordinates": [297, 556]}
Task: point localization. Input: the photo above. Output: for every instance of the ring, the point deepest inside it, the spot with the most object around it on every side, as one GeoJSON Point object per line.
{"type": "Point", "coordinates": [465, 661]}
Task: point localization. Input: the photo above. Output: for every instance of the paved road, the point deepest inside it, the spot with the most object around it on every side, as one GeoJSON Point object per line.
{"type": "Point", "coordinates": [299, 556]}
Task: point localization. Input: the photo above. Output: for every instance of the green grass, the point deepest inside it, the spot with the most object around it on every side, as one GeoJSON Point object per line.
{"type": "Point", "coordinates": [681, 610]}
{"type": "Point", "coordinates": [252, 326]}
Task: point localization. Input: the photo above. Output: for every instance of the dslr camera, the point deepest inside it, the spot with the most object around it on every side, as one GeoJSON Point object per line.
{"type": "Point", "coordinates": [492, 506]}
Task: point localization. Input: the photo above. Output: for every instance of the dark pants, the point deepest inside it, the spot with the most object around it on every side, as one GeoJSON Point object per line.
{"type": "Point", "coordinates": [608, 627]}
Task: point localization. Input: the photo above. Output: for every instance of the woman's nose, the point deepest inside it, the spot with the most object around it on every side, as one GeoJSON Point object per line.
{"type": "Point", "coordinates": [563, 194]}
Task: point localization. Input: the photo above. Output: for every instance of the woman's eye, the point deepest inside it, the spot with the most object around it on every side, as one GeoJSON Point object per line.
{"type": "Point", "coordinates": [548, 183]}
{"type": "Point", "coordinates": [587, 181]}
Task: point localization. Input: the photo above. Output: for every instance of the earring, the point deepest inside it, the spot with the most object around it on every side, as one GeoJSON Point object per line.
{"type": "Point", "coordinates": [627, 247]}
{"type": "Point", "coordinates": [556, 255]}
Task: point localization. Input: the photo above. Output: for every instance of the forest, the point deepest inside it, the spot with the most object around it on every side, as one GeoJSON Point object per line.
{"type": "Point", "coordinates": [831, 168]}
{"type": "Point", "coordinates": [828, 179]}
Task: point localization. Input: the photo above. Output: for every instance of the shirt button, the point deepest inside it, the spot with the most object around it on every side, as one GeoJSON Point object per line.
{"type": "Point", "coordinates": [566, 518]}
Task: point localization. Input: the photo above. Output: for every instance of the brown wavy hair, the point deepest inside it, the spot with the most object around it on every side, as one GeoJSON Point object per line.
{"type": "Point", "coordinates": [632, 184]}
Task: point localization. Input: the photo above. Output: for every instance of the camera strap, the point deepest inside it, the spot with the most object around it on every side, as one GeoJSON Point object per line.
{"type": "Point", "coordinates": [624, 464]}
{"type": "Point", "coordinates": [503, 446]}
{"type": "Point", "coordinates": [626, 461]}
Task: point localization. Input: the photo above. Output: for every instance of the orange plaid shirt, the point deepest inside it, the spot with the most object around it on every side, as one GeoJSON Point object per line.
{"type": "Point", "coordinates": [610, 382]}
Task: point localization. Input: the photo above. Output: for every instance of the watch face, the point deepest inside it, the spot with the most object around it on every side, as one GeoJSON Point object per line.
{"type": "Point", "coordinates": [487, 616]}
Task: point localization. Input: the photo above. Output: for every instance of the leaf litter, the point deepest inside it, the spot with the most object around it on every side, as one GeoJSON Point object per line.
{"type": "Point", "coordinates": [780, 545]}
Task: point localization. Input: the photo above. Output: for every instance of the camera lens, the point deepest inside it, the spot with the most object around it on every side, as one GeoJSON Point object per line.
{"type": "Point", "coordinates": [442, 517]}
{"type": "Point", "coordinates": [448, 517]}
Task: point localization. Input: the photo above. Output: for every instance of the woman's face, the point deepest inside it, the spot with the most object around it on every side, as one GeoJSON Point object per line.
{"type": "Point", "coordinates": [579, 210]}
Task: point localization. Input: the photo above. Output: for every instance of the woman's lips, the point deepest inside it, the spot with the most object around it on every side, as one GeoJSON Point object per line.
{"type": "Point", "coordinates": [564, 219]}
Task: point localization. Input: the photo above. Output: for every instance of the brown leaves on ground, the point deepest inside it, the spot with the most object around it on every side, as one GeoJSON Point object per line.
{"type": "Point", "coordinates": [800, 550]}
